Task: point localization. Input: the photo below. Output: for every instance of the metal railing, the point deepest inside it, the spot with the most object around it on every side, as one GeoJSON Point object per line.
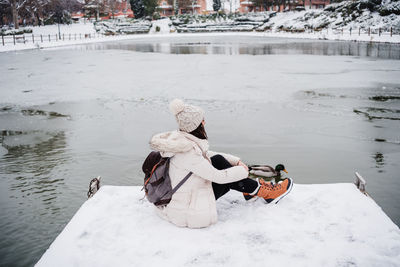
{"type": "Point", "coordinates": [349, 31]}
{"type": "Point", "coordinates": [42, 38]}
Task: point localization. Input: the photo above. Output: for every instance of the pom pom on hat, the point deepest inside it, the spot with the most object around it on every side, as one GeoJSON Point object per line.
{"type": "Point", "coordinates": [187, 116]}
{"type": "Point", "coordinates": [176, 106]}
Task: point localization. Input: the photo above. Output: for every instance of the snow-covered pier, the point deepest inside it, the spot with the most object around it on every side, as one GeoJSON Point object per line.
{"type": "Point", "coordinates": [315, 225]}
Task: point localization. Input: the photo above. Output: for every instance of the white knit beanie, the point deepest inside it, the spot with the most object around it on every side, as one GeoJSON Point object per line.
{"type": "Point", "coordinates": [188, 117]}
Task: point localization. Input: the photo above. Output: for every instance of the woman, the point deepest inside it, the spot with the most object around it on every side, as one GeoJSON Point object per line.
{"type": "Point", "coordinates": [214, 174]}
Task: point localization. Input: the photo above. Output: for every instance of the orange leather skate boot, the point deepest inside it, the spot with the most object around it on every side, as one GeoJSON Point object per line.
{"type": "Point", "coordinates": [247, 196]}
{"type": "Point", "coordinates": [272, 193]}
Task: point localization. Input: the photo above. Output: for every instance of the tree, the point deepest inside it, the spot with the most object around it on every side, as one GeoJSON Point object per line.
{"type": "Point", "coordinates": [15, 6]}
{"type": "Point", "coordinates": [34, 10]}
{"type": "Point", "coordinates": [175, 5]}
{"type": "Point", "coordinates": [92, 8]}
{"type": "Point", "coordinates": [216, 5]}
{"type": "Point", "coordinates": [112, 4]}
{"type": "Point", "coordinates": [30, 8]}
{"type": "Point", "coordinates": [59, 11]}
{"type": "Point", "coordinates": [137, 8]}
{"type": "Point", "coordinates": [5, 13]}
{"type": "Point", "coordinates": [266, 4]}
{"type": "Point", "coordinates": [143, 8]}
{"type": "Point", "coordinates": [150, 7]}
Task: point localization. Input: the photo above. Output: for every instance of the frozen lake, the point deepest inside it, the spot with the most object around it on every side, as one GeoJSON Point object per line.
{"type": "Point", "coordinates": [325, 109]}
{"type": "Point", "coordinates": [250, 45]}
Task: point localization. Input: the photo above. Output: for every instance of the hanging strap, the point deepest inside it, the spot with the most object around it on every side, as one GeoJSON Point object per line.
{"type": "Point", "coordinates": [181, 182]}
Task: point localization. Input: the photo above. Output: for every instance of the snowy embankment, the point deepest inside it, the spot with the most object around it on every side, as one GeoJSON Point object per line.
{"type": "Point", "coordinates": [315, 225]}
{"type": "Point", "coordinates": [328, 35]}
{"type": "Point", "coordinates": [358, 15]}
{"type": "Point", "coordinates": [73, 34]}
{"type": "Point", "coordinates": [359, 20]}
{"type": "Point", "coordinates": [128, 27]}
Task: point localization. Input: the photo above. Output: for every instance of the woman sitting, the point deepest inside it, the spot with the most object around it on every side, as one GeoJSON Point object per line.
{"type": "Point", "coordinates": [214, 174]}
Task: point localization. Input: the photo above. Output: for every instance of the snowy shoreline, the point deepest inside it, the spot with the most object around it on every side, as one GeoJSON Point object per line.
{"type": "Point", "coordinates": [315, 225]}
{"type": "Point", "coordinates": [374, 38]}
{"type": "Point", "coordinates": [358, 20]}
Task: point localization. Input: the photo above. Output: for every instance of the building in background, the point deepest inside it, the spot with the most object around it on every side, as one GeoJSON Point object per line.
{"type": "Point", "coordinates": [280, 6]}
{"type": "Point", "coordinates": [316, 3]}
{"type": "Point", "coordinates": [166, 8]}
{"type": "Point", "coordinates": [108, 9]}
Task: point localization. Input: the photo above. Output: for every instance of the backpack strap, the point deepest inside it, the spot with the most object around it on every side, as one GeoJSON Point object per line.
{"type": "Point", "coordinates": [152, 171]}
{"type": "Point", "coordinates": [181, 182]}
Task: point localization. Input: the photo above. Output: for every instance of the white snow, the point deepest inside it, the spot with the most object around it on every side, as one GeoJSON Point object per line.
{"type": "Point", "coordinates": [315, 225]}
{"type": "Point", "coordinates": [64, 29]}
{"type": "Point", "coordinates": [229, 5]}
{"type": "Point", "coordinates": [317, 18]}
{"type": "Point", "coordinates": [209, 5]}
{"type": "Point", "coordinates": [163, 24]}
{"type": "Point", "coordinates": [288, 20]}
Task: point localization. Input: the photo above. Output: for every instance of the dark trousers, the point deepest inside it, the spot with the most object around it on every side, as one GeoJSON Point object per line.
{"type": "Point", "coordinates": [246, 185]}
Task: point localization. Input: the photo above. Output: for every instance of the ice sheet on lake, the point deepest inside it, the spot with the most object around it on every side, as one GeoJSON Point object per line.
{"type": "Point", "coordinates": [315, 225]}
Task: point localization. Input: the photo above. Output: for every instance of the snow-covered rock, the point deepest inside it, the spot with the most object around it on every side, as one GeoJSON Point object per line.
{"type": "Point", "coordinates": [6, 31]}
{"type": "Point", "coordinates": [161, 26]}
{"type": "Point", "coordinates": [113, 27]}
{"type": "Point", "coordinates": [220, 23]}
{"type": "Point", "coordinates": [315, 225]}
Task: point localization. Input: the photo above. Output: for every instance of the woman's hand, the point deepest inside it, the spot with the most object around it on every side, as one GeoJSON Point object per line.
{"type": "Point", "coordinates": [240, 163]}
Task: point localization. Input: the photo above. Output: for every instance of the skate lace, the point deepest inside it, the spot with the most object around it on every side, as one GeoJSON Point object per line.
{"type": "Point", "coordinates": [277, 187]}
{"type": "Point", "coordinates": [271, 187]}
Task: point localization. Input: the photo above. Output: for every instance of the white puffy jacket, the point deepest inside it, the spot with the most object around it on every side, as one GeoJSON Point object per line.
{"type": "Point", "coordinates": [193, 205]}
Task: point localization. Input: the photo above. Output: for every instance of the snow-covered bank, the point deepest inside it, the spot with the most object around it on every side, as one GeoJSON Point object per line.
{"type": "Point", "coordinates": [46, 44]}
{"type": "Point", "coordinates": [359, 20]}
{"type": "Point", "coordinates": [358, 14]}
{"type": "Point", "coordinates": [328, 35]}
{"type": "Point", "coordinates": [315, 225]}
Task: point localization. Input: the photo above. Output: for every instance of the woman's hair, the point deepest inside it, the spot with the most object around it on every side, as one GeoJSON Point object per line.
{"type": "Point", "coordinates": [200, 132]}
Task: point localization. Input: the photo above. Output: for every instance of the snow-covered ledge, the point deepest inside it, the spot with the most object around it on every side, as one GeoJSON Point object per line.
{"type": "Point", "coordinates": [315, 225]}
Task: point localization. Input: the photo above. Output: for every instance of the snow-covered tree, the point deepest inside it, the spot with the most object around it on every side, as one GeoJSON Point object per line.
{"type": "Point", "coordinates": [35, 10]}
{"type": "Point", "coordinates": [92, 8]}
{"type": "Point", "coordinates": [59, 11]}
{"type": "Point", "coordinates": [38, 11]}
{"type": "Point", "coordinates": [137, 8]}
{"type": "Point", "coordinates": [15, 6]}
{"type": "Point", "coordinates": [150, 6]}
{"type": "Point", "coordinates": [216, 5]}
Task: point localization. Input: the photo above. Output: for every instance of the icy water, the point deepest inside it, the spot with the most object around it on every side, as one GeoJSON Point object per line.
{"type": "Point", "coordinates": [239, 45]}
{"type": "Point", "coordinates": [324, 109]}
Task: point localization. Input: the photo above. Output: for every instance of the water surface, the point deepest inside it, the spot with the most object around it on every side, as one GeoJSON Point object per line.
{"type": "Point", "coordinates": [324, 109]}
{"type": "Point", "coordinates": [242, 45]}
